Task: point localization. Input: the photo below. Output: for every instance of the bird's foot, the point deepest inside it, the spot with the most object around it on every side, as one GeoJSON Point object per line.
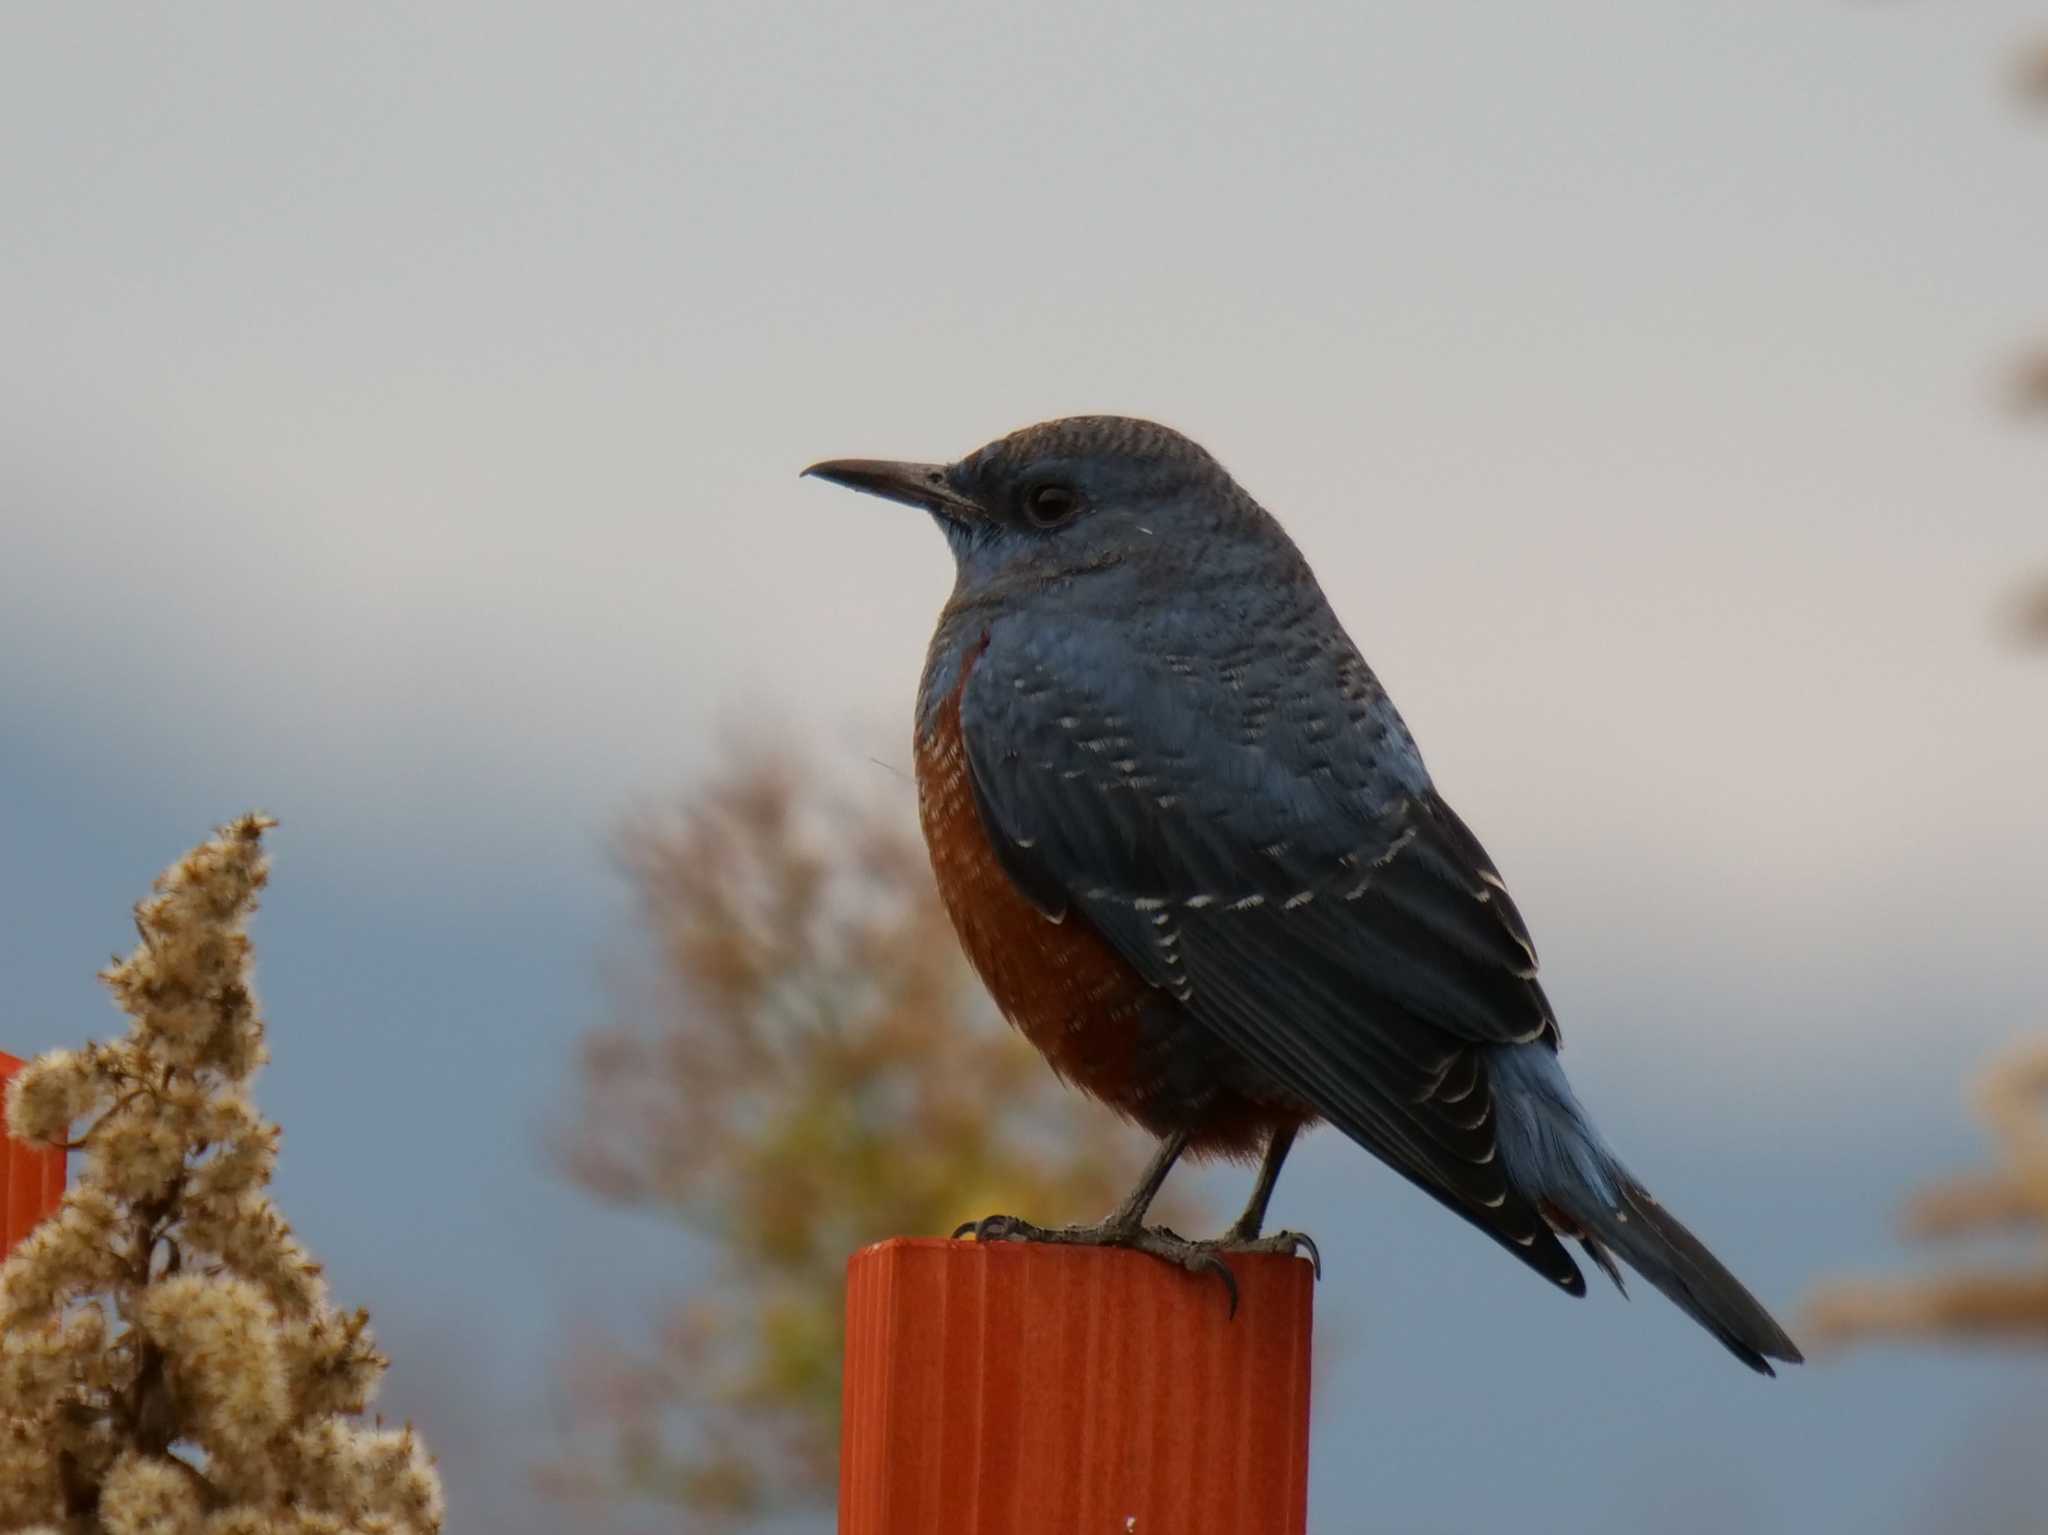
{"type": "Point", "coordinates": [1197, 1257]}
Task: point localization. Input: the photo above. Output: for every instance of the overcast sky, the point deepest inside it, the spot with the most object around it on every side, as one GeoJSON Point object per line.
{"type": "Point", "coordinates": [399, 430]}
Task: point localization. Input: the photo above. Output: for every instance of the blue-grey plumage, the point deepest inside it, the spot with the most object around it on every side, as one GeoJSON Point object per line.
{"type": "Point", "coordinates": [1165, 742]}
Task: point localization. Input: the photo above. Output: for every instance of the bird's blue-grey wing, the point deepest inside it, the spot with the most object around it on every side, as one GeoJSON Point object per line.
{"type": "Point", "coordinates": [1287, 872]}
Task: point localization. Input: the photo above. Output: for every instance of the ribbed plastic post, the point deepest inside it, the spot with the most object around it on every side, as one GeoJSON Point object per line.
{"type": "Point", "coordinates": [1012, 1389]}
{"type": "Point", "coordinates": [31, 1177]}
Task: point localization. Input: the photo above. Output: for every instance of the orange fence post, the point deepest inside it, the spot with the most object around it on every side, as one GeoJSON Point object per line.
{"type": "Point", "coordinates": [1012, 1389]}
{"type": "Point", "coordinates": [31, 1177]}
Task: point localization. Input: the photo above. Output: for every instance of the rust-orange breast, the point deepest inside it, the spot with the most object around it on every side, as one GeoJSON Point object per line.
{"type": "Point", "coordinates": [1063, 987]}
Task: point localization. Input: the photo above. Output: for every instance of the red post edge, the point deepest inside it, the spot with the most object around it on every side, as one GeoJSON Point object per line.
{"type": "Point", "coordinates": [31, 1177]}
{"type": "Point", "coordinates": [1013, 1389]}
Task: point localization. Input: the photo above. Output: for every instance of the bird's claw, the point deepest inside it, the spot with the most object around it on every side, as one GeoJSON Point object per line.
{"type": "Point", "coordinates": [1003, 1228]}
{"type": "Point", "coordinates": [1293, 1243]}
{"type": "Point", "coordinates": [1200, 1260]}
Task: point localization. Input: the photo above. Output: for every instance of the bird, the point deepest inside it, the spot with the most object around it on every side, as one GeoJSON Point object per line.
{"type": "Point", "coordinates": [1193, 852]}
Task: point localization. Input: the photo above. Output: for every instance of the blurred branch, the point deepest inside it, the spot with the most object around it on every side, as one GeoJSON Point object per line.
{"type": "Point", "coordinates": [1960, 1305]}
{"type": "Point", "coordinates": [1966, 1302]}
{"type": "Point", "coordinates": [2026, 617]}
{"type": "Point", "coordinates": [2030, 78]}
{"type": "Point", "coordinates": [1967, 1205]}
{"type": "Point", "coordinates": [2028, 386]}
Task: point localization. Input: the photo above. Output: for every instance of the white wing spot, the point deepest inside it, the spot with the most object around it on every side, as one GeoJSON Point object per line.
{"type": "Point", "coordinates": [1302, 898]}
{"type": "Point", "coordinates": [1392, 852]}
{"type": "Point", "coordinates": [1247, 903]}
{"type": "Point", "coordinates": [1147, 903]}
{"type": "Point", "coordinates": [1197, 902]}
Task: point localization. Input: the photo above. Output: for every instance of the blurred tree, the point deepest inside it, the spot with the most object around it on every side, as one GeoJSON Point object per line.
{"type": "Point", "coordinates": [1972, 1302]}
{"type": "Point", "coordinates": [2030, 374]}
{"type": "Point", "coordinates": [1966, 1302]}
{"type": "Point", "coordinates": [814, 1069]}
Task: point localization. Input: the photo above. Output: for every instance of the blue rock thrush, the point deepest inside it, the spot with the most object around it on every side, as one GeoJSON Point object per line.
{"type": "Point", "coordinates": [1194, 854]}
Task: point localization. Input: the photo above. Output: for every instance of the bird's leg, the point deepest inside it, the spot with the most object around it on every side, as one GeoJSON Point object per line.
{"type": "Point", "coordinates": [1246, 1227]}
{"type": "Point", "coordinates": [1132, 1211]}
{"type": "Point", "coordinates": [1243, 1235]}
{"type": "Point", "coordinates": [1124, 1221]}
{"type": "Point", "coordinates": [1125, 1225]}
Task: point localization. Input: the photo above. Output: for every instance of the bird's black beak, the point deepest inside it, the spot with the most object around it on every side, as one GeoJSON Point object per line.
{"type": "Point", "coordinates": [922, 485]}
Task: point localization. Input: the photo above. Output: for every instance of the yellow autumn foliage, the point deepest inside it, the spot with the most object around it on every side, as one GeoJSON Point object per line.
{"type": "Point", "coordinates": [811, 1068]}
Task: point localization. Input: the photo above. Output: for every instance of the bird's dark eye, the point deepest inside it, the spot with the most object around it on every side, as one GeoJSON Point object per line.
{"type": "Point", "coordinates": [1047, 506]}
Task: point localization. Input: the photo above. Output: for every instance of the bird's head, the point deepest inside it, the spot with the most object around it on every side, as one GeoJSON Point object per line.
{"type": "Point", "coordinates": [1087, 493]}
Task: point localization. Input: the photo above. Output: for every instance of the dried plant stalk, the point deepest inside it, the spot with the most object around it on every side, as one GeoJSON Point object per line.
{"type": "Point", "coordinates": [169, 1359]}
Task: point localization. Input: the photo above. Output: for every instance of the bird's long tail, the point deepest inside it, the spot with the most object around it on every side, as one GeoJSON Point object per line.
{"type": "Point", "coordinates": [1554, 1157]}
